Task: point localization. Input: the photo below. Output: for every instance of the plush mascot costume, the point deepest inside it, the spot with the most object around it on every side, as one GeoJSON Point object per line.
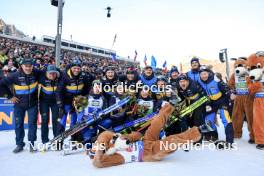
{"type": "Point", "coordinates": [243, 103]}
{"type": "Point", "coordinates": [119, 149]}
{"type": "Point", "coordinates": [256, 88]}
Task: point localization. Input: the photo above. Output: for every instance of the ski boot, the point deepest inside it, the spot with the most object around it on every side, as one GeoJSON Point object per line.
{"type": "Point", "coordinates": [18, 149]}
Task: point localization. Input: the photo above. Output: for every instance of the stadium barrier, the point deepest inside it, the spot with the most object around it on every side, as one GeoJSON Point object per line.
{"type": "Point", "coordinates": [7, 120]}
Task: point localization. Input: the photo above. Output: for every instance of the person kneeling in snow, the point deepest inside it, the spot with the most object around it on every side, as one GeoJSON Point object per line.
{"type": "Point", "coordinates": [96, 103]}
{"type": "Point", "coordinates": [116, 149]}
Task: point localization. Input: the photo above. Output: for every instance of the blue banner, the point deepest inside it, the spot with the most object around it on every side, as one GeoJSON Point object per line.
{"type": "Point", "coordinates": [7, 120]}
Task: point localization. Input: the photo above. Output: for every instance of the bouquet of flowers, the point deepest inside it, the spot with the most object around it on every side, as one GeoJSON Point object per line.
{"type": "Point", "coordinates": [80, 103]}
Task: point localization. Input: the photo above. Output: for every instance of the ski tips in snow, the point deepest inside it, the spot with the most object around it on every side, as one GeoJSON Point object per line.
{"type": "Point", "coordinates": [88, 121]}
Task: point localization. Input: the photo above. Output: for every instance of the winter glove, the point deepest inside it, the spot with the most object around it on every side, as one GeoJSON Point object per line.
{"type": "Point", "coordinates": [208, 108]}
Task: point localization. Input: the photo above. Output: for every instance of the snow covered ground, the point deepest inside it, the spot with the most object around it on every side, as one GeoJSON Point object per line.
{"type": "Point", "coordinates": [247, 160]}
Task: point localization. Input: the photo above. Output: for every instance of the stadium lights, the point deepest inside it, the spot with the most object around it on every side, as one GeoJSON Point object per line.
{"type": "Point", "coordinates": [108, 11]}
{"type": "Point", "coordinates": [55, 3]}
{"type": "Point", "coordinates": [224, 59]}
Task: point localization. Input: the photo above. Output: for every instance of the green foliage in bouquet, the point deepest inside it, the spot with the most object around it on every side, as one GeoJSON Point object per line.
{"type": "Point", "coordinates": [80, 103]}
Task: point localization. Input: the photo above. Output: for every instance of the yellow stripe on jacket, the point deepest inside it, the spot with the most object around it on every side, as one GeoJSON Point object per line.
{"type": "Point", "coordinates": [48, 88]}
{"type": "Point", "coordinates": [28, 89]}
{"type": "Point", "coordinates": [216, 96]}
{"type": "Point", "coordinates": [31, 86]}
{"type": "Point", "coordinates": [193, 97]}
{"type": "Point", "coordinates": [79, 87]}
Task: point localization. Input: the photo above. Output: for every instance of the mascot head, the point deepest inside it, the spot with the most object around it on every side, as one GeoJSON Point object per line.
{"type": "Point", "coordinates": [110, 142]}
{"type": "Point", "coordinates": [255, 65]}
{"type": "Point", "coordinates": [240, 66]}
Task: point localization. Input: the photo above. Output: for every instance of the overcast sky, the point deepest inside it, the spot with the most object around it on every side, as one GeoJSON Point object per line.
{"type": "Point", "coordinates": [171, 30]}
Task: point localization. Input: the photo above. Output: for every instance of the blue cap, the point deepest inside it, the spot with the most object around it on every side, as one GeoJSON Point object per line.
{"type": "Point", "coordinates": [76, 62]}
{"type": "Point", "coordinates": [52, 69]}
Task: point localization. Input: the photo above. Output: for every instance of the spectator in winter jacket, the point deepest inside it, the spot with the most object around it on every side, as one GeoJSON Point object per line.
{"type": "Point", "coordinates": [148, 77]}
{"type": "Point", "coordinates": [109, 82]}
{"type": "Point", "coordinates": [162, 92]}
{"type": "Point", "coordinates": [174, 73]}
{"type": "Point", "coordinates": [132, 78]}
{"type": "Point", "coordinates": [193, 74]}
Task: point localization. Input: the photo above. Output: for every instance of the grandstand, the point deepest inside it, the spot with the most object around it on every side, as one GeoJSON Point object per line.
{"type": "Point", "coordinates": [84, 49]}
{"type": "Point", "coordinates": [75, 46]}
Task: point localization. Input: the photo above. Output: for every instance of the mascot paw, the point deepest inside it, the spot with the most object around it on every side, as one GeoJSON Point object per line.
{"type": "Point", "coordinates": [111, 151]}
{"type": "Point", "coordinates": [260, 146]}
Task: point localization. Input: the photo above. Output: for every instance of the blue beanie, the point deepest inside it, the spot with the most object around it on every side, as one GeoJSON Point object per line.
{"type": "Point", "coordinates": [76, 62]}
{"type": "Point", "coordinates": [174, 69]}
{"type": "Point", "coordinates": [195, 59]}
{"type": "Point", "coordinates": [52, 69]}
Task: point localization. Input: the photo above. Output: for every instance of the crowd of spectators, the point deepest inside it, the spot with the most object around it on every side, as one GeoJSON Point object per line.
{"type": "Point", "coordinates": [11, 52]}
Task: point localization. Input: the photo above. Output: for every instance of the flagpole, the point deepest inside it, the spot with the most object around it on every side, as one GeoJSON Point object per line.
{"type": "Point", "coordinates": [145, 60]}
{"type": "Point", "coordinates": [135, 57]}
{"type": "Point", "coordinates": [114, 41]}
{"type": "Point", "coordinates": [181, 69]}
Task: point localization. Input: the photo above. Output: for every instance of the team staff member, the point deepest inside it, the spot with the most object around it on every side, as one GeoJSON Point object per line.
{"type": "Point", "coordinates": [174, 73]}
{"type": "Point", "coordinates": [192, 92]}
{"type": "Point", "coordinates": [25, 98]}
{"type": "Point", "coordinates": [148, 77]}
{"type": "Point", "coordinates": [47, 96]}
{"type": "Point", "coordinates": [73, 82]}
{"type": "Point", "coordinates": [219, 95]}
{"type": "Point", "coordinates": [108, 82]}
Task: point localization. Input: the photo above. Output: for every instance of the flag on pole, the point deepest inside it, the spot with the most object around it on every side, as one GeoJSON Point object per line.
{"type": "Point", "coordinates": [153, 62]}
{"type": "Point", "coordinates": [135, 58]}
{"type": "Point", "coordinates": [145, 60]}
{"type": "Point", "coordinates": [114, 59]}
{"type": "Point", "coordinates": [165, 66]}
